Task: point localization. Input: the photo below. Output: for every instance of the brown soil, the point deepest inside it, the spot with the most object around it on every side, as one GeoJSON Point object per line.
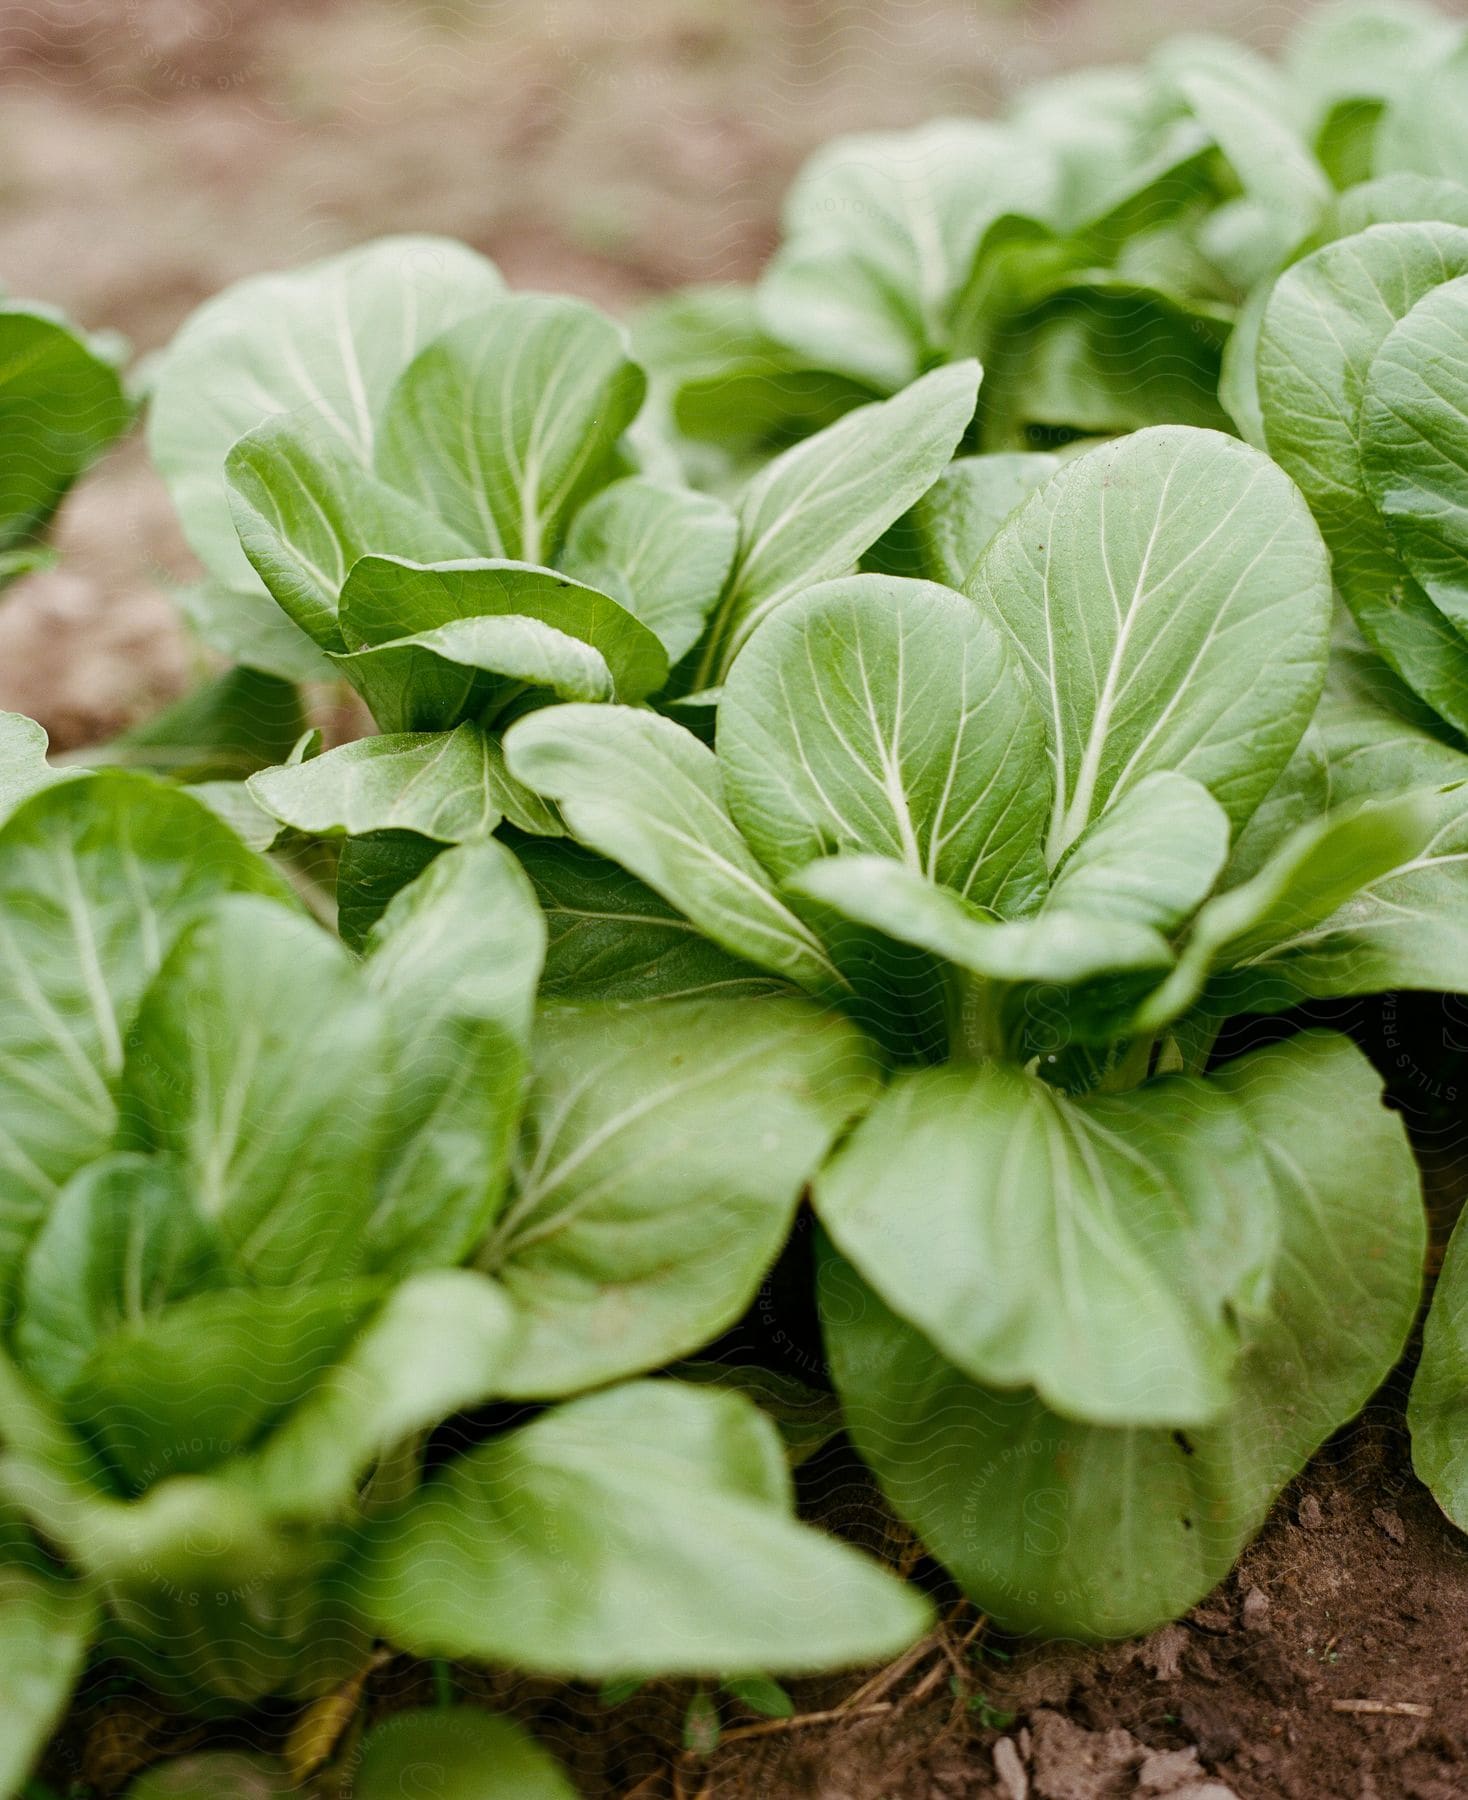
{"type": "Point", "coordinates": [1327, 1667]}
{"type": "Point", "coordinates": [155, 149]}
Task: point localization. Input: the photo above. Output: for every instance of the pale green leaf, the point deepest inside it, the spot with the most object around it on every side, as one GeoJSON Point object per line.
{"type": "Point", "coordinates": [1327, 318]}
{"type": "Point", "coordinates": [1170, 598]}
{"type": "Point", "coordinates": [662, 552]}
{"type": "Point", "coordinates": [435, 1347]}
{"type": "Point", "coordinates": [122, 1241]}
{"type": "Point", "coordinates": [1414, 425]}
{"type": "Point", "coordinates": [1093, 1250]}
{"type": "Point", "coordinates": [1437, 1410]}
{"type": "Point", "coordinates": [246, 625]}
{"type": "Point", "coordinates": [611, 938]}
{"type": "Point", "coordinates": [1054, 946]}
{"type": "Point", "coordinates": [1104, 1531]}
{"type": "Point", "coordinates": [1151, 858]}
{"type": "Point", "coordinates": [509, 420]}
{"type": "Point", "coordinates": [190, 1386]}
{"type": "Point", "coordinates": [256, 1059]}
{"type": "Point", "coordinates": [306, 509]}
{"type": "Point", "coordinates": [1424, 129]}
{"type": "Point", "coordinates": [454, 959]}
{"type": "Point", "coordinates": [444, 631]}
{"type": "Point", "coordinates": [1306, 898]}
{"type": "Point", "coordinates": [809, 514]}
{"type": "Point", "coordinates": [660, 1164]}
{"type": "Point", "coordinates": [949, 529]}
{"type": "Point", "coordinates": [464, 1753]}
{"type": "Point", "coordinates": [881, 233]}
{"type": "Point", "coordinates": [648, 794]}
{"type": "Point", "coordinates": [444, 786]}
{"type": "Point", "coordinates": [327, 341]}
{"type": "Point", "coordinates": [23, 767]}
{"type": "Point", "coordinates": [892, 717]}
{"type": "Point", "coordinates": [642, 1531]}
{"type": "Point", "coordinates": [97, 877]}
{"type": "Point", "coordinates": [61, 404]}
{"type": "Point", "coordinates": [46, 1630]}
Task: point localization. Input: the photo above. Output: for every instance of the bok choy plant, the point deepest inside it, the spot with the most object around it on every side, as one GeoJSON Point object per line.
{"type": "Point", "coordinates": [61, 404]}
{"type": "Point", "coordinates": [1093, 246]}
{"type": "Point", "coordinates": [1043, 837]}
{"type": "Point", "coordinates": [246, 1176]}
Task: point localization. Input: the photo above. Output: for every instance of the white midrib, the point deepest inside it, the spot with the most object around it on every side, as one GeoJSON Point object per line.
{"type": "Point", "coordinates": [1066, 828]}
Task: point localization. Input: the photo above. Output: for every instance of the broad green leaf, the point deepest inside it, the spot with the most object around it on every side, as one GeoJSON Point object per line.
{"type": "Point", "coordinates": [97, 877]}
{"type": "Point", "coordinates": [1099, 123]}
{"type": "Point", "coordinates": [1414, 424]}
{"type": "Point", "coordinates": [892, 717]}
{"type": "Point", "coordinates": [949, 529]}
{"type": "Point", "coordinates": [1327, 318]}
{"type": "Point", "coordinates": [188, 1530]}
{"type": "Point", "coordinates": [642, 1531]}
{"type": "Point", "coordinates": [445, 786]}
{"type": "Point", "coordinates": [1309, 893]}
{"type": "Point", "coordinates": [1300, 796]}
{"type": "Point", "coordinates": [230, 802]}
{"type": "Point", "coordinates": [1170, 598]}
{"type": "Point", "coordinates": [306, 509]}
{"type": "Point", "coordinates": [433, 679]}
{"type": "Point", "coordinates": [45, 1631]}
{"type": "Point", "coordinates": [256, 1059]}
{"type": "Point", "coordinates": [1093, 1250]}
{"type": "Point", "coordinates": [122, 1241]}
{"type": "Point", "coordinates": [881, 234]}
{"type": "Point", "coordinates": [465, 1754]}
{"type": "Point", "coordinates": [435, 1347]}
{"type": "Point", "coordinates": [1054, 946]}
{"type": "Point", "coordinates": [23, 767]}
{"type": "Point", "coordinates": [646, 793]}
{"type": "Point", "coordinates": [454, 959]}
{"type": "Point", "coordinates": [1245, 112]}
{"type": "Point", "coordinates": [506, 422]}
{"type": "Point", "coordinates": [327, 342]}
{"type": "Point", "coordinates": [1397, 199]}
{"type": "Point", "coordinates": [1364, 50]}
{"type": "Point", "coordinates": [660, 1164]}
{"type": "Point", "coordinates": [1151, 858]}
{"type": "Point", "coordinates": [369, 872]}
{"type": "Point", "coordinates": [809, 514]}
{"type": "Point", "coordinates": [1423, 129]}
{"type": "Point", "coordinates": [224, 730]}
{"type": "Point", "coordinates": [187, 1388]}
{"type": "Point", "coordinates": [435, 629]}
{"type": "Point", "coordinates": [1405, 926]}
{"type": "Point", "coordinates": [613, 939]}
{"type": "Point", "coordinates": [1103, 1531]}
{"type": "Point", "coordinates": [61, 404]}
{"type": "Point", "coordinates": [662, 552]}
{"type": "Point", "coordinates": [1391, 199]}
{"type": "Point", "coordinates": [1437, 1411]}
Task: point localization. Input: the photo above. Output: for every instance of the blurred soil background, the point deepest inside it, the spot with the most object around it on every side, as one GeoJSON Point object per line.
{"type": "Point", "coordinates": [153, 150]}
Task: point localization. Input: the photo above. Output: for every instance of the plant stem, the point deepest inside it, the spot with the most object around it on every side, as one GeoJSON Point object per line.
{"type": "Point", "coordinates": [1129, 1070]}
